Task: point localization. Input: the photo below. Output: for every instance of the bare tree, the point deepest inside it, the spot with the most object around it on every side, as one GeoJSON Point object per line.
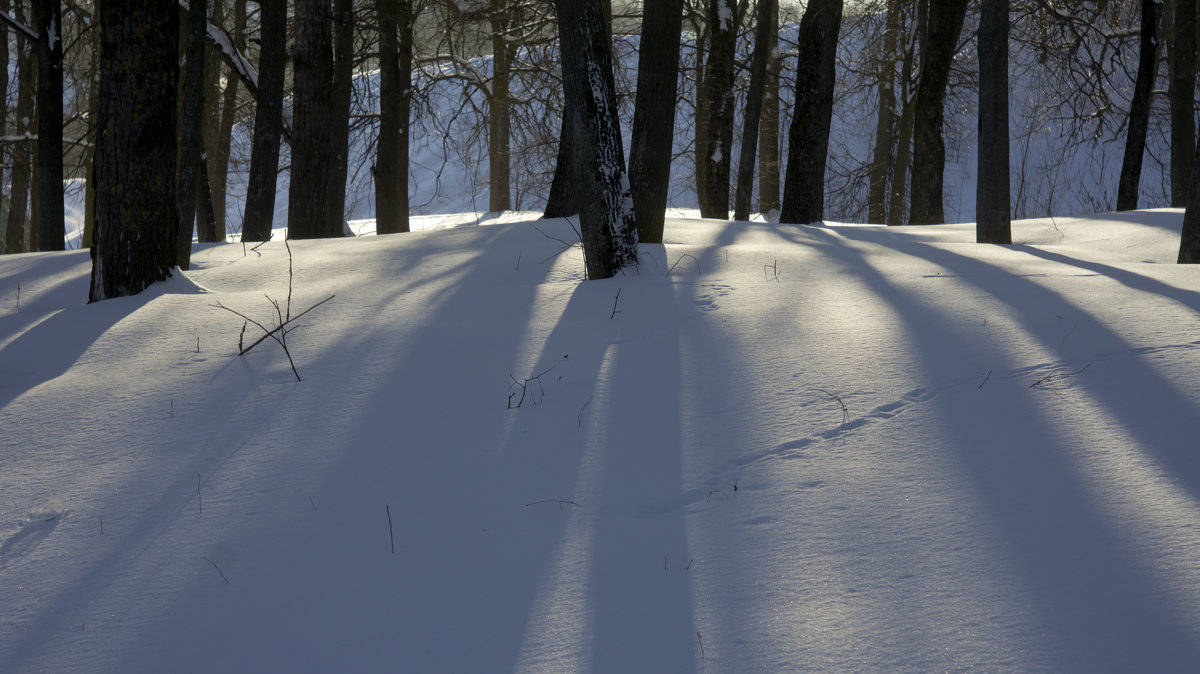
{"type": "Point", "coordinates": [1181, 92]}
{"type": "Point", "coordinates": [714, 134]}
{"type": "Point", "coordinates": [310, 214]}
{"type": "Point", "coordinates": [992, 192]}
{"type": "Point", "coordinates": [51, 228]}
{"type": "Point", "coordinates": [606, 209]}
{"type": "Point", "coordinates": [1139, 111]}
{"type": "Point", "coordinates": [395, 19]}
{"type": "Point", "coordinates": [808, 140]}
{"type": "Point", "coordinates": [268, 125]}
{"type": "Point", "coordinates": [22, 155]}
{"type": "Point", "coordinates": [135, 145]}
{"type": "Point", "coordinates": [191, 144]}
{"type": "Point", "coordinates": [765, 12]}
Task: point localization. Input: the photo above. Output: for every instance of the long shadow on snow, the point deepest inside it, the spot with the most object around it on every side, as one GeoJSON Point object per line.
{"type": "Point", "coordinates": [1086, 585]}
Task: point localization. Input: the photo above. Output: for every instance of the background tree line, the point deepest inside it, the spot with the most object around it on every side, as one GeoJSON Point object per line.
{"type": "Point", "coordinates": [827, 110]}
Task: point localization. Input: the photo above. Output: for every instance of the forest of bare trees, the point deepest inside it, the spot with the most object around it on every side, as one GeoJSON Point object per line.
{"type": "Point", "coordinates": [382, 108]}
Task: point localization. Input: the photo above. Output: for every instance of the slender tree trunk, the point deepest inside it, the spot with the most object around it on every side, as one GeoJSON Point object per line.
{"type": "Point", "coordinates": [22, 153]}
{"type": "Point", "coordinates": [395, 75]}
{"type": "Point", "coordinates": [1139, 110]}
{"type": "Point", "coordinates": [808, 140]}
{"type": "Point", "coordinates": [312, 143]}
{"type": "Point", "coordinates": [717, 92]}
{"type": "Point", "coordinates": [929, 146]}
{"type": "Point", "coordinates": [343, 83]}
{"type": "Point", "coordinates": [904, 136]}
{"type": "Point", "coordinates": [89, 156]}
{"type": "Point", "coordinates": [1181, 93]}
{"type": "Point", "coordinates": [136, 216]}
{"type": "Point", "coordinates": [885, 127]}
{"type": "Point", "coordinates": [4, 147]}
{"type": "Point", "coordinates": [191, 144]}
{"type": "Point", "coordinates": [606, 209]}
{"type": "Point", "coordinates": [654, 116]}
{"type": "Point", "coordinates": [1189, 241]}
{"type": "Point", "coordinates": [51, 226]}
{"type": "Point", "coordinates": [754, 104]}
{"type": "Point", "coordinates": [499, 191]}
{"type": "Point", "coordinates": [993, 213]}
{"type": "Point", "coordinates": [206, 216]}
{"type": "Point", "coordinates": [268, 125]}
{"type": "Point", "coordinates": [218, 158]}
{"type": "Point", "coordinates": [768, 138]}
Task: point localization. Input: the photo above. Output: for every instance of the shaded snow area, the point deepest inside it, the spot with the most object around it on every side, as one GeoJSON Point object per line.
{"type": "Point", "coordinates": [770, 448]}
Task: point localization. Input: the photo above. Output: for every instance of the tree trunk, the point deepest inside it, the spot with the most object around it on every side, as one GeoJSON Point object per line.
{"type": "Point", "coordinates": [191, 144]}
{"type": "Point", "coordinates": [499, 136]}
{"type": "Point", "coordinates": [1189, 241]}
{"type": "Point", "coordinates": [808, 140]}
{"type": "Point", "coordinates": [885, 127]}
{"type": "Point", "coordinates": [395, 83]}
{"type": "Point", "coordinates": [1181, 93]}
{"type": "Point", "coordinates": [343, 84]}
{"type": "Point", "coordinates": [992, 209]}
{"type": "Point", "coordinates": [714, 158]}
{"type": "Point", "coordinates": [606, 210]}
{"type": "Point", "coordinates": [22, 154]}
{"type": "Point", "coordinates": [89, 156]}
{"type": "Point", "coordinates": [312, 142]}
{"type": "Point", "coordinates": [51, 227]}
{"type": "Point", "coordinates": [218, 158]}
{"type": "Point", "coordinates": [754, 104]}
{"type": "Point", "coordinates": [268, 125]}
{"type": "Point", "coordinates": [206, 231]}
{"type": "Point", "coordinates": [768, 138]}
{"type": "Point", "coordinates": [136, 217]}
{"type": "Point", "coordinates": [929, 146]}
{"type": "Point", "coordinates": [654, 116]}
{"type": "Point", "coordinates": [4, 147]}
{"type": "Point", "coordinates": [1139, 110]}
{"type": "Point", "coordinates": [897, 202]}
{"type": "Point", "coordinates": [563, 201]}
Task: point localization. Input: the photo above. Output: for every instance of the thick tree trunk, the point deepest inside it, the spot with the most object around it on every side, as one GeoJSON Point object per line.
{"type": "Point", "coordinates": [51, 226]}
{"type": "Point", "coordinates": [768, 138]}
{"type": "Point", "coordinates": [268, 125]}
{"type": "Point", "coordinates": [22, 151]}
{"type": "Point", "coordinates": [606, 209]}
{"type": "Point", "coordinates": [312, 143]}
{"type": "Point", "coordinates": [992, 209]}
{"type": "Point", "coordinates": [929, 146]}
{"type": "Point", "coordinates": [563, 201]}
{"type": "Point", "coordinates": [751, 118]}
{"type": "Point", "coordinates": [1189, 242]}
{"type": "Point", "coordinates": [499, 136]}
{"type": "Point", "coordinates": [395, 75]}
{"type": "Point", "coordinates": [808, 140]}
{"type": "Point", "coordinates": [1181, 93]}
{"type": "Point", "coordinates": [4, 147]}
{"type": "Point", "coordinates": [191, 144]}
{"type": "Point", "coordinates": [654, 116]}
{"type": "Point", "coordinates": [136, 217]}
{"type": "Point", "coordinates": [1139, 110]}
{"type": "Point", "coordinates": [885, 126]}
{"type": "Point", "coordinates": [713, 161]}
{"type": "Point", "coordinates": [343, 82]}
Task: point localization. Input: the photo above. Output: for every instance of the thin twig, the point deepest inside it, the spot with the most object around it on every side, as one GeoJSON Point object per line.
{"type": "Point", "coordinates": [214, 565]}
{"type": "Point", "coordinates": [560, 502]}
{"type": "Point", "coordinates": [701, 642]}
{"type": "Point", "coordinates": [579, 422]}
{"type": "Point", "coordinates": [390, 536]}
{"type": "Point", "coordinates": [1058, 373]}
{"type": "Point", "coordinates": [199, 499]}
{"type": "Point", "coordinates": [18, 306]}
{"type": "Point", "coordinates": [681, 260]}
{"type": "Point", "coordinates": [615, 300]}
{"type": "Point", "coordinates": [985, 379]}
{"type": "Point", "coordinates": [845, 410]}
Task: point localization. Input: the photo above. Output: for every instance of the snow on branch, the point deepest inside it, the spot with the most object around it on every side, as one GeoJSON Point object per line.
{"type": "Point", "coordinates": [20, 27]}
{"type": "Point", "coordinates": [236, 60]}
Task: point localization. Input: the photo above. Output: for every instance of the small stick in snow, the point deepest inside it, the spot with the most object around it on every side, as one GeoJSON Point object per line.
{"type": "Point", "coordinates": [664, 562]}
{"type": "Point", "coordinates": [314, 503]}
{"type": "Point", "coordinates": [560, 502]}
{"type": "Point", "coordinates": [102, 525]}
{"type": "Point", "coordinates": [390, 536]}
{"type": "Point", "coordinates": [1058, 373]}
{"type": "Point", "coordinates": [774, 267]}
{"type": "Point", "coordinates": [681, 260]}
{"type": "Point", "coordinates": [214, 565]}
{"type": "Point", "coordinates": [845, 410]}
{"type": "Point", "coordinates": [985, 379]}
{"type": "Point", "coordinates": [199, 499]}
{"type": "Point", "coordinates": [579, 421]}
{"type": "Point", "coordinates": [701, 642]}
{"type": "Point", "coordinates": [197, 345]}
{"type": "Point", "coordinates": [18, 306]}
{"type": "Point", "coordinates": [615, 300]}
{"type": "Point", "coordinates": [518, 262]}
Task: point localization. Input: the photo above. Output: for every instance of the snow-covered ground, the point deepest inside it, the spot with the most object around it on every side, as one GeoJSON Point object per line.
{"type": "Point", "coordinates": [771, 448]}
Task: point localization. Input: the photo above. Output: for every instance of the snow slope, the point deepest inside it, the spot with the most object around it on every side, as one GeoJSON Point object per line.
{"type": "Point", "coordinates": [888, 450]}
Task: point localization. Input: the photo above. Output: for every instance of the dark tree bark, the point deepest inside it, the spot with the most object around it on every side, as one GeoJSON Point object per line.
{"type": "Point", "coordinates": [22, 151]}
{"type": "Point", "coordinates": [768, 138]}
{"type": "Point", "coordinates": [808, 140]}
{"type": "Point", "coordinates": [1139, 110]}
{"type": "Point", "coordinates": [312, 141]}
{"type": "Point", "coordinates": [395, 84]}
{"type": "Point", "coordinates": [904, 134]}
{"type": "Point", "coordinates": [992, 210]}
{"type": "Point", "coordinates": [191, 144]}
{"type": "Point", "coordinates": [885, 126]}
{"type": "Point", "coordinates": [343, 83]}
{"type": "Point", "coordinates": [4, 148]}
{"type": "Point", "coordinates": [606, 209]}
{"type": "Point", "coordinates": [654, 116]}
{"type": "Point", "coordinates": [929, 146]}
{"type": "Point", "coordinates": [51, 227]}
{"type": "Point", "coordinates": [499, 108]}
{"type": "Point", "coordinates": [563, 201]}
{"type": "Point", "coordinates": [206, 216]}
{"type": "Point", "coordinates": [1189, 242]}
{"type": "Point", "coordinates": [1181, 93]}
{"type": "Point", "coordinates": [764, 26]}
{"type": "Point", "coordinates": [136, 216]}
{"type": "Point", "coordinates": [218, 156]}
{"type": "Point", "coordinates": [268, 125]}
{"type": "Point", "coordinates": [713, 162]}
